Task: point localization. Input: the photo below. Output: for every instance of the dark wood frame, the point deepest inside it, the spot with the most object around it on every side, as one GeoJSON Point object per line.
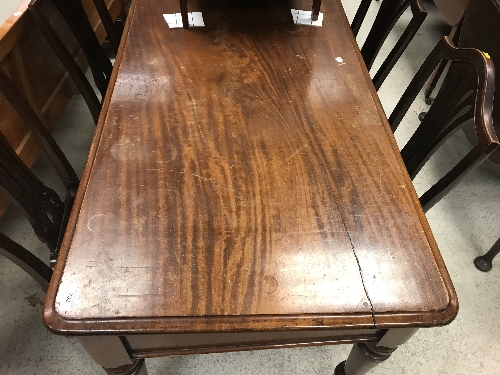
{"type": "Point", "coordinates": [79, 24]}
{"type": "Point", "coordinates": [390, 11]}
{"type": "Point", "coordinates": [462, 97]}
{"type": "Point", "coordinates": [42, 206]}
{"type": "Point", "coordinates": [114, 30]}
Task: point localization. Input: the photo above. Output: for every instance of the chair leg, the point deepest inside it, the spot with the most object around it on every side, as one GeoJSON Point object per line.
{"type": "Point", "coordinates": [26, 261]}
{"type": "Point", "coordinates": [184, 13]}
{"type": "Point", "coordinates": [485, 262]}
{"type": "Point", "coordinates": [315, 9]}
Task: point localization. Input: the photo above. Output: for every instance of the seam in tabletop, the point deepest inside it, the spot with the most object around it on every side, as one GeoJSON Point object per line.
{"type": "Point", "coordinates": [352, 248]}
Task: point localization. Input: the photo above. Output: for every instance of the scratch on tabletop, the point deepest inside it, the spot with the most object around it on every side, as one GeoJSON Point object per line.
{"type": "Point", "coordinates": [84, 242]}
{"type": "Point", "coordinates": [213, 183]}
{"type": "Point", "coordinates": [380, 182]}
{"type": "Point", "coordinates": [296, 152]}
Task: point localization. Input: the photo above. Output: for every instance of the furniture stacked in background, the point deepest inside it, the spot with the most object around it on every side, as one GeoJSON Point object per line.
{"type": "Point", "coordinates": [476, 24]}
{"type": "Point", "coordinates": [464, 16]}
{"type": "Point", "coordinates": [389, 13]}
{"type": "Point", "coordinates": [462, 97]}
{"type": "Point", "coordinates": [466, 95]}
{"type": "Point", "coordinates": [481, 29]}
{"type": "Point", "coordinates": [46, 211]}
{"type": "Point", "coordinates": [37, 72]}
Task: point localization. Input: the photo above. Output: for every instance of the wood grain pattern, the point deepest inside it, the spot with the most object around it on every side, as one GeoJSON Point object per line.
{"type": "Point", "coordinates": [241, 178]}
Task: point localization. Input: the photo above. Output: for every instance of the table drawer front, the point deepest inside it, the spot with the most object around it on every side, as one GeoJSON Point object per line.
{"type": "Point", "coordinates": [144, 346]}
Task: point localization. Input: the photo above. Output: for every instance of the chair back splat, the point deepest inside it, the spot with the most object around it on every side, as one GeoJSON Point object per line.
{"type": "Point", "coordinates": [47, 213]}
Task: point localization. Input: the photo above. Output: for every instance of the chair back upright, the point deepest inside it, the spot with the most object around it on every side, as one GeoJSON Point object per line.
{"type": "Point", "coordinates": [74, 15]}
{"type": "Point", "coordinates": [466, 94]}
{"type": "Point", "coordinates": [389, 13]}
{"type": "Point", "coordinates": [114, 30]}
{"type": "Point", "coordinates": [481, 30]}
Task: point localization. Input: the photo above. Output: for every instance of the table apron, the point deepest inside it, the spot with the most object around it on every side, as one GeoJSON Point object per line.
{"type": "Point", "coordinates": [147, 346]}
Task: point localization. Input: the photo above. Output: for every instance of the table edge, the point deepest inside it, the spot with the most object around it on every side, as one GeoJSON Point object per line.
{"type": "Point", "coordinates": [249, 323]}
{"type": "Point", "coordinates": [452, 309]}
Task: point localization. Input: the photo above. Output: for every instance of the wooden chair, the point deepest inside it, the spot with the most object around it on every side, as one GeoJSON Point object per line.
{"type": "Point", "coordinates": [390, 11]}
{"type": "Point", "coordinates": [485, 13]}
{"type": "Point", "coordinates": [467, 15]}
{"type": "Point", "coordinates": [74, 15]}
{"type": "Point", "coordinates": [45, 210]}
{"type": "Point", "coordinates": [466, 94]}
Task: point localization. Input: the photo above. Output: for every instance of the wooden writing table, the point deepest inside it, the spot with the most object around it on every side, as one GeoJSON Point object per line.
{"type": "Point", "coordinates": [244, 191]}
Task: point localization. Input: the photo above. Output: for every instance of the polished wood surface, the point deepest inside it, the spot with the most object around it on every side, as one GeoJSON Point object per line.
{"type": "Point", "coordinates": [243, 176]}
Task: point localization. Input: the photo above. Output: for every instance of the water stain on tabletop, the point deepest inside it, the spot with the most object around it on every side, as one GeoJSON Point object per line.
{"type": "Point", "coordinates": [269, 284]}
{"type": "Point", "coordinates": [128, 150]}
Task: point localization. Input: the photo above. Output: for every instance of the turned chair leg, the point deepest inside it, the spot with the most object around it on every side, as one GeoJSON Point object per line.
{"type": "Point", "coordinates": [315, 9]}
{"type": "Point", "coordinates": [184, 13]}
{"type": "Point", "coordinates": [485, 262]}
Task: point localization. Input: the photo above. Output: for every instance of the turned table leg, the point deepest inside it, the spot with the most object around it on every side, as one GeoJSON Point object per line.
{"type": "Point", "coordinates": [365, 356]}
{"type": "Point", "coordinates": [110, 353]}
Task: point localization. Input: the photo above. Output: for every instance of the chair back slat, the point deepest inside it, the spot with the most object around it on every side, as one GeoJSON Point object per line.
{"type": "Point", "coordinates": [31, 119]}
{"type": "Point", "coordinates": [47, 213]}
{"type": "Point", "coordinates": [114, 30]}
{"type": "Point", "coordinates": [45, 210]}
{"type": "Point", "coordinates": [481, 30]}
{"type": "Point", "coordinates": [40, 204]}
{"type": "Point", "coordinates": [360, 15]}
{"type": "Point", "coordinates": [466, 95]}
{"type": "Point", "coordinates": [389, 13]}
{"type": "Point", "coordinates": [100, 65]}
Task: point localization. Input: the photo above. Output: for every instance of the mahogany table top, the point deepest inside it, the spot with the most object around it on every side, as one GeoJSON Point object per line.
{"type": "Point", "coordinates": [243, 176]}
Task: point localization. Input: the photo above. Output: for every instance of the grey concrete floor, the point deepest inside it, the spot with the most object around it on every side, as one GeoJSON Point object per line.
{"type": "Point", "coordinates": [465, 224]}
